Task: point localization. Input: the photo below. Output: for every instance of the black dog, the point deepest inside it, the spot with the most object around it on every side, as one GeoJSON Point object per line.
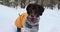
{"type": "Point", "coordinates": [32, 22]}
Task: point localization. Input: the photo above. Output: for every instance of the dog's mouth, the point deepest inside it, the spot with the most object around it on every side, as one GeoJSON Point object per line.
{"type": "Point", "coordinates": [32, 18]}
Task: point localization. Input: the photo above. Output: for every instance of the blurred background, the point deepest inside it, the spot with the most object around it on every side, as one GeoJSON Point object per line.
{"type": "Point", "coordinates": [23, 3]}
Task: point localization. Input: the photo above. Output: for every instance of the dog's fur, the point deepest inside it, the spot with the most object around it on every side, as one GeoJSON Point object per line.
{"type": "Point", "coordinates": [33, 10]}
{"type": "Point", "coordinates": [37, 9]}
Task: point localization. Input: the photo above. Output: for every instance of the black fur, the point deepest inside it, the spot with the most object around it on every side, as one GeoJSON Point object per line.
{"type": "Point", "coordinates": [37, 9]}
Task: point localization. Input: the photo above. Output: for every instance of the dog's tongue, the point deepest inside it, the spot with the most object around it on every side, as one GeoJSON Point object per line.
{"type": "Point", "coordinates": [32, 19]}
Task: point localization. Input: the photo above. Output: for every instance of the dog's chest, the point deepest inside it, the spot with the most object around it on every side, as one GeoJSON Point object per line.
{"type": "Point", "coordinates": [32, 22]}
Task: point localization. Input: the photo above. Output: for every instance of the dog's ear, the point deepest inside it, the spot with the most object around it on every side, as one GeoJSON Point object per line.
{"type": "Point", "coordinates": [40, 10]}
{"type": "Point", "coordinates": [28, 9]}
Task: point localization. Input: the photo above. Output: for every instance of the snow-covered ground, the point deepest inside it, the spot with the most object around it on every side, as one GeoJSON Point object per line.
{"type": "Point", "coordinates": [49, 21]}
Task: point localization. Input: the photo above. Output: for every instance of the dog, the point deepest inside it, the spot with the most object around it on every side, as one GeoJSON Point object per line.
{"type": "Point", "coordinates": [34, 12]}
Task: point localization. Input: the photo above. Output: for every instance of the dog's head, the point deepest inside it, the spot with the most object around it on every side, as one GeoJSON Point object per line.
{"type": "Point", "coordinates": [35, 10]}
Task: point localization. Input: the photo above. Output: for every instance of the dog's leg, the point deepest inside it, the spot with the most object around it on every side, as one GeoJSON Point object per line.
{"type": "Point", "coordinates": [18, 29]}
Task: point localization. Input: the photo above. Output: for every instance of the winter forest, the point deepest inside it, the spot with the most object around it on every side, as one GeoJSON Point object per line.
{"type": "Point", "coordinates": [23, 3]}
{"type": "Point", "coordinates": [10, 10]}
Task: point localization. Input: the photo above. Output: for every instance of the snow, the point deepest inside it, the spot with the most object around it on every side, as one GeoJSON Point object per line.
{"type": "Point", "coordinates": [7, 18]}
{"type": "Point", "coordinates": [49, 21]}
